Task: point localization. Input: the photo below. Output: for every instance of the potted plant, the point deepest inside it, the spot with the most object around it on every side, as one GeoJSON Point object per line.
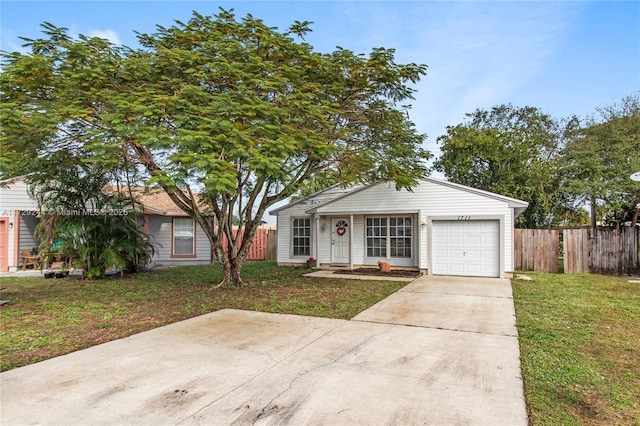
{"type": "Point", "coordinates": [312, 262]}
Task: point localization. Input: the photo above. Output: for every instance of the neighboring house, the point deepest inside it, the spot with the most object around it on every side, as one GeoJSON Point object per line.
{"type": "Point", "coordinates": [177, 239]}
{"type": "Point", "coordinates": [18, 220]}
{"type": "Point", "coordinates": [439, 227]}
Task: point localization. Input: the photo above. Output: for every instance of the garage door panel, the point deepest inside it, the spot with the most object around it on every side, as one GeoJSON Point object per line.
{"type": "Point", "coordinates": [456, 240]}
{"type": "Point", "coordinates": [474, 255]}
{"type": "Point", "coordinates": [475, 269]}
{"type": "Point", "coordinates": [488, 240]}
{"type": "Point", "coordinates": [467, 248]}
{"type": "Point", "coordinates": [455, 226]}
{"type": "Point", "coordinates": [455, 269]}
{"type": "Point", "coordinates": [473, 226]}
{"type": "Point", "coordinates": [456, 254]}
{"type": "Point", "coordinates": [441, 239]}
{"type": "Point", "coordinates": [475, 240]}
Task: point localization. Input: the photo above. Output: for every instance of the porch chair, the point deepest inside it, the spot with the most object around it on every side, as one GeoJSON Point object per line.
{"type": "Point", "coordinates": [30, 259]}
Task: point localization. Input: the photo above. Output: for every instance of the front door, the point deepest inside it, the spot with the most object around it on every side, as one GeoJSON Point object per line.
{"type": "Point", "coordinates": [340, 240]}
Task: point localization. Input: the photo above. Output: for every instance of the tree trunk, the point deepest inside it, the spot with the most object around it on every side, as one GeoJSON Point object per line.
{"type": "Point", "coordinates": [233, 257]}
{"type": "Point", "coordinates": [231, 267]}
{"type": "Point", "coordinates": [233, 274]}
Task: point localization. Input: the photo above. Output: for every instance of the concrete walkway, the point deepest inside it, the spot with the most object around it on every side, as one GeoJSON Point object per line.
{"type": "Point", "coordinates": [439, 351]}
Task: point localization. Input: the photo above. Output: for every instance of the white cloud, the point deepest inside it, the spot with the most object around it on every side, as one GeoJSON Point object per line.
{"type": "Point", "coordinates": [108, 34]}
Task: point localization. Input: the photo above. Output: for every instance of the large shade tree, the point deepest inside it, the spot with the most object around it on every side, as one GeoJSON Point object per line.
{"type": "Point", "coordinates": [234, 110]}
{"type": "Point", "coordinates": [511, 151]}
{"type": "Point", "coordinates": [599, 159]}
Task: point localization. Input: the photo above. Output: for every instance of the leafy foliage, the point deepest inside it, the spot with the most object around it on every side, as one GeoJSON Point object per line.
{"type": "Point", "coordinates": [234, 110]}
{"type": "Point", "coordinates": [558, 166]}
{"type": "Point", "coordinates": [81, 222]}
{"type": "Point", "coordinates": [601, 156]}
{"type": "Point", "coordinates": [511, 151]}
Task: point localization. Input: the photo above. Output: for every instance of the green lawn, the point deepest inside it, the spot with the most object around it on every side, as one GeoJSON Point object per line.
{"type": "Point", "coordinates": [50, 317]}
{"type": "Point", "coordinates": [580, 348]}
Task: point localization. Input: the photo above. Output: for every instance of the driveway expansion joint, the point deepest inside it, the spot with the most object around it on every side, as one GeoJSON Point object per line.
{"type": "Point", "coordinates": [436, 328]}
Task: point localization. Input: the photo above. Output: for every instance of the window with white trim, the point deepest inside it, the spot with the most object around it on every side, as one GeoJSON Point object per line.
{"type": "Point", "coordinates": [400, 236]}
{"type": "Point", "coordinates": [301, 236]}
{"type": "Point", "coordinates": [376, 236]}
{"type": "Point", "coordinates": [389, 235]}
{"type": "Point", "coordinates": [183, 236]}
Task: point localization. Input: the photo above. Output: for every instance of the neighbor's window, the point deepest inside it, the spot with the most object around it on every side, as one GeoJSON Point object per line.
{"type": "Point", "coordinates": [389, 235]}
{"type": "Point", "coordinates": [301, 237]}
{"type": "Point", "coordinates": [183, 236]}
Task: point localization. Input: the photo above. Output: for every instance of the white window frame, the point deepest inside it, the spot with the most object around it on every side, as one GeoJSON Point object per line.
{"type": "Point", "coordinates": [294, 228]}
{"type": "Point", "coordinates": [386, 235]}
{"type": "Point", "coordinates": [183, 229]}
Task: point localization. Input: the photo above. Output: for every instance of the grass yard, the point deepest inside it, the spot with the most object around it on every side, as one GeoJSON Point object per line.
{"type": "Point", "coordinates": [580, 348]}
{"type": "Point", "coordinates": [50, 317]}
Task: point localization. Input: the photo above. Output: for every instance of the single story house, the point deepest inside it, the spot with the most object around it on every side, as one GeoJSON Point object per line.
{"type": "Point", "coordinates": [177, 238]}
{"type": "Point", "coordinates": [439, 227]}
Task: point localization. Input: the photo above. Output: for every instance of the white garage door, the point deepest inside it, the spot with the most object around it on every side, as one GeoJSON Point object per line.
{"type": "Point", "coordinates": [467, 248]}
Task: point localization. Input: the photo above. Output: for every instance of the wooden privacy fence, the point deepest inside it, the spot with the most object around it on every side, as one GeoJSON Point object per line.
{"type": "Point", "coordinates": [575, 250]}
{"type": "Point", "coordinates": [601, 251]}
{"type": "Point", "coordinates": [537, 249]}
{"type": "Point", "coordinates": [263, 246]}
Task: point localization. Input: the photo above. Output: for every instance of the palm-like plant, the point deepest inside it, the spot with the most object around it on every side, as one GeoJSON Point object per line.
{"type": "Point", "coordinates": [95, 229]}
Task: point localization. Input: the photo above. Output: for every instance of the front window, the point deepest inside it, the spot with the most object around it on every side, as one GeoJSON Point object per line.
{"type": "Point", "coordinates": [301, 235]}
{"type": "Point", "coordinates": [376, 237]}
{"type": "Point", "coordinates": [183, 236]}
{"type": "Point", "coordinates": [390, 236]}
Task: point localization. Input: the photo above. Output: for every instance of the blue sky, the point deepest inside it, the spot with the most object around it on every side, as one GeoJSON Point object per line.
{"type": "Point", "coordinates": [563, 57]}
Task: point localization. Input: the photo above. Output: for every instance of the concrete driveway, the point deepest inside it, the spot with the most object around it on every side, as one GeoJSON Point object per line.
{"type": "Point", "coordinates": [440, 351]}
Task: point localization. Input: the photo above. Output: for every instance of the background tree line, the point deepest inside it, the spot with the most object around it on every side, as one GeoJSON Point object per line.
{"type": "Point", "coordinates": [560, 166]}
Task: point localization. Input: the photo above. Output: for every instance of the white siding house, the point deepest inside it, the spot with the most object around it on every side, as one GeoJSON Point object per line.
{"type": "Point", "coordinates": [440, 227]}
{"type": "Point", "coordinates": [177, 239]}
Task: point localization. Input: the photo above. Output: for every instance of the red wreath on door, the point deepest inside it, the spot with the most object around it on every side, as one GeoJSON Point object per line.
{"type": "Point", "coordinates": [341, 231]}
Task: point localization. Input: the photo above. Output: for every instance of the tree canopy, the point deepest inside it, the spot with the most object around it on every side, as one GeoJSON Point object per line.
{"type": "Point", "coordinates": [232, 109]}
{"type": "Point", "coordinates": [558, 166]}
{"type": "Point", "coordinates": [599, 159]}
{"type": "Point", "coordinates": [510, 151]}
